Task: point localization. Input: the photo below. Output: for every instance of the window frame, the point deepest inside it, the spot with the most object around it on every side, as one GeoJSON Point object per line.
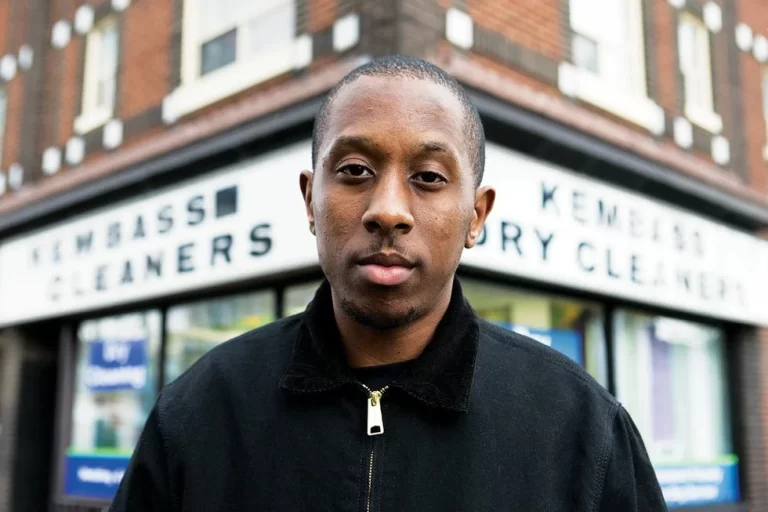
{"type": "Point", "coordinates": [703, 116]}
{"type": "Point", "coordinates": [591, 87]}
{"type": "Point", "coordinates": [92, 115]}
{"type": "Point", "coordinates": [197, 91]}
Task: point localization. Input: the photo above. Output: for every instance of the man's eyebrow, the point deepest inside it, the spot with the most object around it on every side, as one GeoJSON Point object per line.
{"type": "Point", "coordinates": [435, 147]}
{"type": "Point", "coordinates": [357, 142]}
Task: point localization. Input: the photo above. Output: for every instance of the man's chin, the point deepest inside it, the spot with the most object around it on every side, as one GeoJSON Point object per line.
{"type": "Point", "coordinates": [381, 317]}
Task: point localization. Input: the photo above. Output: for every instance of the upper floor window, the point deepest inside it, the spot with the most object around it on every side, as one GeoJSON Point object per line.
{"type": "Point", "coordinates": [696, 69]}
{"type": "Point", "coordinates": [230, 45]}
{"type": "Point", "coordinates": [3, 112]}
{"type": "Point", "coordinates": [100, 76]}
{"type": "Point", "coordinates": [607, 41]}
{"type": "Point", "coordinates": [607, 66]}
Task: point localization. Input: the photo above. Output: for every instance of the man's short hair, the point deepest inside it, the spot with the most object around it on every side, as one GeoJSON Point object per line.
{"type": "Point", "coordinates": [398, 66]}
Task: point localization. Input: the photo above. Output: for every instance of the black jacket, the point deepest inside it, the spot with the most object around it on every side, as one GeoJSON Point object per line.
{"type": "Point", "coordinates": [484, 420]}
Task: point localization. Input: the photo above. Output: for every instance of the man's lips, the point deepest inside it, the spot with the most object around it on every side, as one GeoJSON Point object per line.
{"type": "Point", "coordinates": [387, 269]}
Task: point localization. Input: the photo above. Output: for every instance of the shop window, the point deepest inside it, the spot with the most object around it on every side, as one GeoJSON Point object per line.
{"type": "Point", "coordinates": [671, 377]}
{"type": "Point", "coordinates": [608, 56]}
{"type": "Point", "coordinates": [230, 45]}
{"type": "Point", "coordinates": [572, 327]}
{"type": "Point", "coordinates": [297, 298]}
{"type": "Point", "coordinates": [696, 69]}
{"type": "Point", "coordinates": [116, 385]}
{"type": "Point", "coordinates": [100, 76]}
{"type": "Point", "coordinates": [194, 329]}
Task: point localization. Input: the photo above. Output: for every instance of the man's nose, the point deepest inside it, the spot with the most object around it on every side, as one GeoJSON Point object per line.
{"type": "Point", "coordinates": [390, 207]}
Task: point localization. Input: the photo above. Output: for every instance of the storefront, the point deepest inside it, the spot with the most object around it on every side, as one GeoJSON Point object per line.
{"type": "Point", "coordinates": [638, 292]}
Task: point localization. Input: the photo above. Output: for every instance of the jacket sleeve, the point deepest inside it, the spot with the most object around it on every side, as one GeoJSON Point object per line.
{"type": "Point", "coordinates": [145, 486]}
{"type": "Point", "coordinates": [630, 480]}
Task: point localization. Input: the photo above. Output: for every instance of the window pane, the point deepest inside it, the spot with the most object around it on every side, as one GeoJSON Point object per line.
{"type": "Point", "coordinates": [585, 53]}
{"type": "Point", "coordinates": [572, 327]}
{"type": "Point", "coordinates": [219, 16]}
{"type": "Point", "coordinates": [194, 329]}
{"type": "Point", "coordinates": [106, 92]}
{"type": "Point", "coordinates": [297, 298]}
{"type": "Point", "coordinates": [670, 376]}
{"type": "Point", "coordinates": [218, 52]}
{"type": "Point", "coordinates": [272, 28]}
{"type": "Point", "coordinates": [109, 50]}
{"type": "Point", "coordinates": [115, 388]}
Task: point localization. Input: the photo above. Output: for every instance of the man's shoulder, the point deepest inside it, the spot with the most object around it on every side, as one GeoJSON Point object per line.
{"type": "Point", "coordinates": [252, 358]}
{"type": "Point", "coordinates": [540, 369]}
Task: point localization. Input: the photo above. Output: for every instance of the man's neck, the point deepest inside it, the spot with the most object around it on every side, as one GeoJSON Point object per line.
{"type": "Point", "coordinates": [366, 346]}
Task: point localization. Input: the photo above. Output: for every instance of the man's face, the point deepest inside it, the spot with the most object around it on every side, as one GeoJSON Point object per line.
{"type": "Point", "coordinates": [392, 200]}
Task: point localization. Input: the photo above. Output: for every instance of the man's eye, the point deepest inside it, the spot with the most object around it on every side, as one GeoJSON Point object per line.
{"type": "Point", "coordinates": [431, 178]}
{"type": "Point", "coordinates": [355, 170]}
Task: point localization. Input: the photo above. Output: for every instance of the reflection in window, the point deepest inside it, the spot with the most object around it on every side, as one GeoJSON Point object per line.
{"type": "Point", "coordinates": [297, 298]}
{"type": "Point", "coordinates": [116, 382]}
{"type": "Point", "coordinates": [194, 329]}
{"type": "Point", "coordinates": [572, 327]}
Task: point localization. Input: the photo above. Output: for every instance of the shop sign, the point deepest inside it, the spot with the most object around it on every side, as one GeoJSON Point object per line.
{"type": "Point", "coordinates": [116, 365]}
{"type": "Point", "coordinates": [698, 485]}
{"type": "Point", "coordinates": [568, 343]}
{"type": "Point", "coordinates": [548, 225]}
{"type": "Point", "coordinates": [94, 476]}
{"type": "Point", "coordinates": [557, 227]}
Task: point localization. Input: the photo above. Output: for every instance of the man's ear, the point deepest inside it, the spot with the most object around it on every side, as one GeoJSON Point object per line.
{"type": "Point", "coordinates": [484, 199]}
{"type": "Point", "coordinates": [305, 183]}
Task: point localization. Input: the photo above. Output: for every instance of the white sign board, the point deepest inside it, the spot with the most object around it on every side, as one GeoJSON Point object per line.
{"type": "Point", "coordinates": [245, 221]}
{"type": "Point", "coordinates": [555, 226]}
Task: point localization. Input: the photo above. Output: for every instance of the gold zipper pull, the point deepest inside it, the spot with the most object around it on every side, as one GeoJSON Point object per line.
{"type": "Point", "coordinates": [375, 421]}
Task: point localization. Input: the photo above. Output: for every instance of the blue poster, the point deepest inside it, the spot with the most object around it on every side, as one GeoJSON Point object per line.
{"type": "Point", "coordinates": [566, 342]}
{"type": "Point", "coordinates": [696, 485]}
{"type": "Point", "coordinates": [94, 476]}
{"type": "Point", "coordinates": [116, 365]}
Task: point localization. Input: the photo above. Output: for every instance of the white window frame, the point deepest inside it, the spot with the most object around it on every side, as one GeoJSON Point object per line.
{"type": "Point", "coordinates": [590, 87]}
{"type": "Point", "coordinates": [703, 116]}
{"type": "Point", "coordinates": [3, 119]}
{"type": "Point", "coordinates": [196, 92]}
{"type": "Point", "coordinates": [764, 88]}
{"type": "Point", "coordinates": [92, 114]}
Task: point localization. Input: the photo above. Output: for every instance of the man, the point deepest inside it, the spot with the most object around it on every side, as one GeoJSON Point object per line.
{"type": "Point", "coordinates": [388, 393]}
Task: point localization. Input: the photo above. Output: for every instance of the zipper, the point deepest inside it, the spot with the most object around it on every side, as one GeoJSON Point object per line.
{"type": "Point", "coordinates": [375, 427]}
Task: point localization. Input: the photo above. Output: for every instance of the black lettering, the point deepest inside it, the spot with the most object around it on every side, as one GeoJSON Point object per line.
{"type": "Point", "coordinates": [635, 224]}
{"type": "Point", "coordinates": [607, 215]}
{"type": "Point", "coordinates": [57, 252]}
{"type": "Point", "coordinates": [36, 256]}
{"type": "Point", "coordinates": [138, 230]}
{"type": "Point", "coordinates": [221, 245]}
{"type": "Point", "coordinates": [578, 207]}
{"type": "Point", "coordinates": [684, 279]}
{"type": "Point", "coordinates": [679, 238]}
{"type": "Point", "coordinates": [84, 242]}
{"type": "Point", "coordinates": [698, 244]}
{"type": "Point", "coordinates": [154, 265]}
{"type": "Point", "coordinates": [165, 219]}
{"type": "Point", "coordinates": [548, 197]}
{"type": "Point", "coordinates": [261, 239]}
{"type": "Point", "coordinates": [505, 237]}
{"type": "Point", "coordinates": [196, 210]}
{"type": "Point", "coordinates": [127, 277]}
{"type": "Point", "coordinates": [545, 241]}
{"type": "Point", "coordinates": [722, 289]}
{"type": "Point", "coordinates": [635, 271]}
{"type": "Point", "coordinates": [101, 278]}
{"type": "Point", "coordinates": [656, 231]}
{"type": "Point", "coordinates": [609, 264]}
{"type": "Point", "coordinates": [584, 266]}
{"type": "Point", "coordinates": [185, 263]}
{"type": "Point", "coordinates": [113, 235]}
{"type": "Point", "coordinates": [55, 294]}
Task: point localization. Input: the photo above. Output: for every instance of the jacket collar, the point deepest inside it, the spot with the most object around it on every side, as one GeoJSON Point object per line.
{"type": "Point", "coordinates": [441, 377]}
